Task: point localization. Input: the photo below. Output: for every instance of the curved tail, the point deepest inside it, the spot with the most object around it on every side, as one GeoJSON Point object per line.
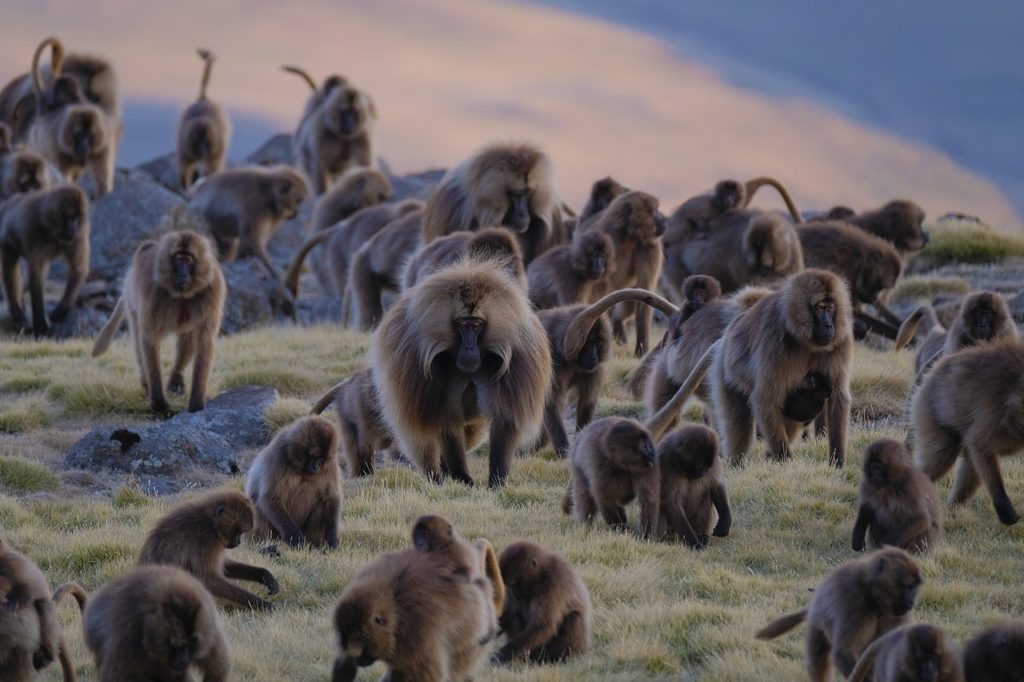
{"type": "Point", "coordinates": [327, 398]}
{"type": "Point", "coordinates": [492, 570]}
{"type": "Point", "coordinates": [75, 590]}
{"type": "Point", "coordinates": [909, 327]}
{"type": "Point", "coordinates": [781, 625]}
{"type": "Point", "coordinates": [661, 419]}
{"type": "Point", "coordinates": [207, 57]}
{"type": "Point", "coordinates": [291, 278]}
{"type": "Point", "coordinates": [106, 334]}
{"type": "Point", "coordinates": [752, 186]}
{"type": "Point", "coordinates": [301, 73]}
{"type": "Point", "coordinates": [579, 329]}
{"type": "Point", "coordinates": [56, 61]}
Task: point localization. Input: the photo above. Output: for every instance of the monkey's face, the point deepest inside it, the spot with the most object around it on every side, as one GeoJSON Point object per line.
{"type": "Point", "coordinates": [823, 315]}
{"type": "Point", "coordinates": [517, 215]}
{"type": "Point", "coordinates": [728, 195]}
{"type": "Point", "coordinates": [290, 191]}
{"type": "Point", "coordinates": [468, 333]}
{"type": "Point", "coordinates": [232, 519]}
{"type": "Point", "coordinates": [602, 193]}
{"type": "Point", "coordinates": [366, 625]}
{"type": "Point", "coordinates": [631, 447]}
{"type": "Point", "coordinates": [895, 582]}
{"type": "Point", "coordinates": [595, 350]}
{"type": "Point", "coordinates": [982, 321]}
{"type": "Point", "coordinates": [183, 269]}
{"type": "Point", "coordinates": [346, 113]}
{"type": "Point", "coordinates": [65, 222]}
{"type": "Point", "coordinates": [81, 133]}
{"type": "Point", "coordinates": [169, 634]}
{"type": "Point", "coordinates": [29, 174]}
{"type": "Point", "coordinates": [905, 225]}
{"type": "Point", "coordinates": [519, 565]}
{"type": "Point", "coordinates": [431, 532]}
{"type": "Point", "coordinates": [925, 647]}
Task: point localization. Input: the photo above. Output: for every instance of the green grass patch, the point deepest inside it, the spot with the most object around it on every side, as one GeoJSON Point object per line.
{"type": "Point", "coordinates": [25, 414]}
{"type": "Point", "coordinates": [968, 243]}
{"type": "Point", "coordinates": [21, 475]}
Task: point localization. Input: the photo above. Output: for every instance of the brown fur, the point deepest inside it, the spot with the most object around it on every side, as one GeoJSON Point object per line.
{"type": "Point", "coordinates": [853, 606]}
{"type": "Point", "coordinates": [570, 273]}
{"type": "Point", "coordinates": [869, 264]}
{"type": "Point", "coordinates": [547, 615]}
{"type": "Point", "coordinates": [898, 505]}
{"type": "Point", "coordinates": [602, 193]}
{"type": "Point", "coordinates": [441, 384]}
{"type": "Point", "coordinates": [491, 243]}
{"type": "Point", "coordinates": [356, 189]}
{"type": "Point", "coordinates": [295, 485]}
{"type": "Point", "coordinates": [502, 185]}
{"type": "Point", "coordinates": [194, 536]}
{"type": "Point", "coordinates": [580, 340]}
{"type": "Point", "coordinates": [765, 353]}
{"type": "Point", "coordinates": [30, 633]}
{"type": "Point", "coordinates": [994, 654]}
{"type": "Point", "coordinates": [911, 653]}
{"type": "Point", "coordinates": [21, 169]}
{"type": "Point", "coordinates": [174, 286]}
{"type": "Point", "coordinates": [204, 132]}
{"type": "Point", "coordinates": [972, 403]}
{"type": "Point", "coordinates": [983, 317]}
{"type": "Point", "coordinates": [696, 213]}
{"type": "Point", "coordinates": [335, 132]}
{"type": "Point", "coordinates": [363, 429]}
{"type": "Point", "coordinates": [40, 227]}
{"type": "Point", "coordinates": [69, 130]}
{"type": "Point", "coordinates": [343, 240]}
{"type": "Point", "coordinates": [477, 562]}
{"type": "Point", "coordinates": [634, 224]}
{"type": "Point", "coordinates": [156, 623]}
{"type": "Point", "coordinates": [898, 222]}
{"type": "Point", "coordinates": [694, 502]}
{"type": "Point", "coordinates": [407, 610]}
{"type": "Point", "coordinates": [377, 268]}
{"type": "Point", "coordinates": [244, 207]}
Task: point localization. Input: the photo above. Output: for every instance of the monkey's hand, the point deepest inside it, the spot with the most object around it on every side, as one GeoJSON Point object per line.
{"type": "Point", "coordinates": [721, 530]}
{"type": "Point", "coordinates": [271, 550]}
{"type": "Point", "coordinates": [42, 658]}
{"type": "Point", "coordinates": [296, 541]}
{"type": "Point", "coordinates": [59, 313]}
{"type": "Point", "coordinates": [267, 578]}
{"type": "Point", "coordinates": [857, 544]}
{"type": "Point", "coordinates": [176, 386]}
{"type": "Point", "coordinates": [161, 407]}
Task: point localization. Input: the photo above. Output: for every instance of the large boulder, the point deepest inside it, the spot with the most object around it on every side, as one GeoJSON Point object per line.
{"type": "Point", "coordinates": [160, 456]}
{"type": "Point", "coordinates": [120, 220]}
{"type": "Point", "coordinates": [163, 169]}
{"type": "Point", "coordinates": [277, 149]}
{"type": "Point", "coordinates": [413, 186]}
{"type": "Point", "coordinates": [254, 297]}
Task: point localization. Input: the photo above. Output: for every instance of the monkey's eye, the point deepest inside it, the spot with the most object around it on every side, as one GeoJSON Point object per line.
{"type": "Point", "coordinates": [379, 620]}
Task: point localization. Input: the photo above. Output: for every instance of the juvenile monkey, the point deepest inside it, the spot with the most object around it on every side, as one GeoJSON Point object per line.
{"type": "Point", "coordinates": [613, 461]}
{"type": "Point", "coordinates": [504, 185]}
{"type": "Point", "coordinates": [40, 227]}
{"type": "Point", "coordinates": [899, 222]}
{"type": "Point", "coordinates": [547, 614]}
{"type": "Point", "coordinates": [972, 403]}
{"type": "Point", "coordinates": [156, 623]}
{"type": "Point", "coordinates": [459, 353]}
{"type": "Point", "coordinates": [363, 429]}
{"type": "Point", "coordinates": [68, 130]}
{"type": "Point", "coordinates": [21, 169]}
{"type": "Point", "coordinates": [853, 606]}
{"type": "Point", "coordinates": [295, 485]}
{"type": "Point", "coordinates": [806, 401]}
{"type": "Point", "coordinates": [30, 633]}
{"type": "Point", "coordinates": [244, 207]}
{"type": "Point", "coordinates": [995, 653]}
{"type": "Point", "coordinates": [173, 286]}
{"type": "Point", "coordinates": [203, 133]}
{"type": "Point", "coordinates": [568, 274]}
{"type": "Point", "coordinates": [580, 338]}
{"type": "Point", "coordinates": [377, 268]}
{"type": "Point", "coordinates": [694, 503]}
{"type": "Point", "coordinates": [194, 536]}
{"type": "Point", "coordinates": [405, 610]}
{"type": "Point", "coordinates": [343, 240]}
{"type": "Point", "coordinates": [433, 533]}
{"type": "Point", "coordinates": [898, 505]}
{"type": "Point", "coordinates": [983, 316]}
{"type": "Point", "coordinates": [634, 224]}
{"type": "Point", "coordinates": [698, 291]}
{"type": "Point", "coordinates": [602, 194]}
{"type": "Point", "coordinates": [911, 652]}
{"type": "Point", "coordinates": [335, 133]}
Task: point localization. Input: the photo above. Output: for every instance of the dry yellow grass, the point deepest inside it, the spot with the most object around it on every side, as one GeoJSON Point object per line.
{"type": "Point", "coordinates": [661, 610]}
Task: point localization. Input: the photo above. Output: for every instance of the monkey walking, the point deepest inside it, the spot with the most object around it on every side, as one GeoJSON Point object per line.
{"type": "Point", "coordinates": [204, 132]}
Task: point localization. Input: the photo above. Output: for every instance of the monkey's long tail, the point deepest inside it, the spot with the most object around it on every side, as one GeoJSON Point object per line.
{"type": "Point", "coordinates": [301, 73]}
{"type": "Point", "coordinates": [909, 327]}
{"type": "Point", "coordinates": [207, 57]}
{"type": "Point", "coordinates": [757, 183]}
{"type": "Point", "coordinates": [579, 329]}
{"type": "Point", "coordinates": [661, 419]}
{"type": "Point", "coordinates": [781, 625]}
{"type": "Point", "coordinates": [326, 399]}
{"type": "Point", "coordinates": [291, 278]}
{"type": "Point", "coordinates": [75, 590]}
{"type": "Point", "coordinates": [109, 329]}
{"type": "Point", "coordinates": [56, 61]}
{"type": "Point", "coordinates": [866, 661]}
{"type": "Point", "coordinates": [493, 572]}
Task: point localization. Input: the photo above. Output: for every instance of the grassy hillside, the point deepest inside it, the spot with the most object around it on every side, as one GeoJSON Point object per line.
{"type": "Point", "coordinates": [661, 610]}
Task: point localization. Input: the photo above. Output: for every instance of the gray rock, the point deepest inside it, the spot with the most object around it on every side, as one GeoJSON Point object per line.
{"type": "Point", "coordinates": [254, 297]}
{"type": "Point", "coordinates": [130, 214]}
{"type": "Point", "coordinates": [162, 169]}
{"type": "Point", "coordinates": [209, 441]}
{"type": "Point", "coordinates": [412, 186]}
{"type": "Point", "coordinates": [277, 149]}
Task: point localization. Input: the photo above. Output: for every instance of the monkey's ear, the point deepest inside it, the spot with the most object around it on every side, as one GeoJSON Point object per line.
{"type": "Point", "coordinates": [534, 562]}
{"type": "Point", "coordinates": [286, 186]}
{"type": "Point", "coordinates": [222, 510]}
{"type": "Point", "coordinates": [882, 564]}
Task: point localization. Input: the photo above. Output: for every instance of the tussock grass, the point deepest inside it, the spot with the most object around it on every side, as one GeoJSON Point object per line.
{"type": "Point", "coordinates": [968, 242]}
{"type": "Point", "coordinates": [25, 414]}
{"type": "Point", "coordinates": [661, 611]}
{"type": "Point", "coordinates": [921, 287]}
{"type": "Point", "coordinates": [21, 475]}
